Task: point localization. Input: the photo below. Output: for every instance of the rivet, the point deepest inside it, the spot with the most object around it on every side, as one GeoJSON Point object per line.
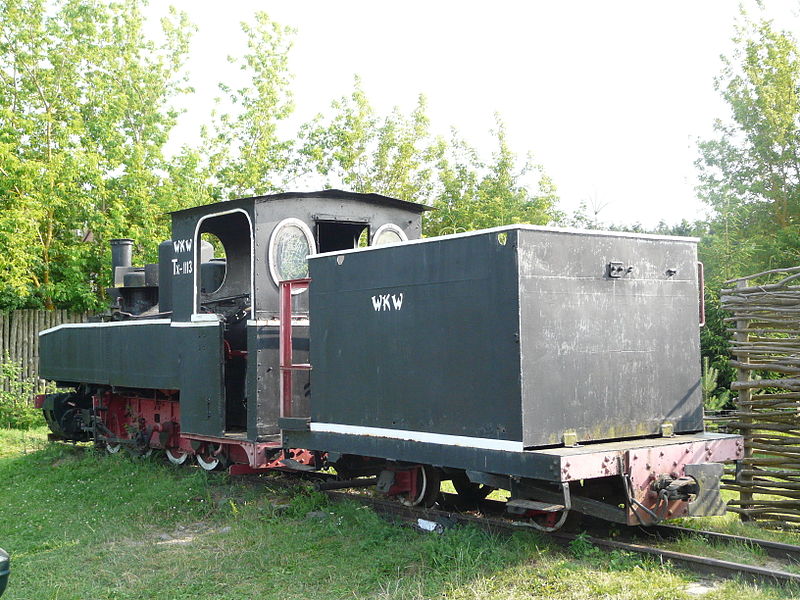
{"type": "Point", "coordinates": [647, 467]}
{"type": "Point", "coordinates": [675, 463]}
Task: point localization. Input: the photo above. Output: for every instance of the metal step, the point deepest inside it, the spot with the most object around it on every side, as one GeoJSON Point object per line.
{"type": "Point", "coordinates": [534, 505]}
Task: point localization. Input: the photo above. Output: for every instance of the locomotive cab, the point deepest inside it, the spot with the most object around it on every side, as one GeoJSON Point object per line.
{"type": "Point", "coordinates": [265, 240]}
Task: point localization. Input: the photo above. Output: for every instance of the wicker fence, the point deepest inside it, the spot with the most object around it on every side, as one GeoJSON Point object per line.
{"type": "Point", "coordinates": [765, 325]}
{"type": "Point", "coordinates": [19, 337]}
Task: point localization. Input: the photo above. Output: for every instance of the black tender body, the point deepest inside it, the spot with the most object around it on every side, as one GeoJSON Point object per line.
{"type": "Point", "coordinates": [516, 334]}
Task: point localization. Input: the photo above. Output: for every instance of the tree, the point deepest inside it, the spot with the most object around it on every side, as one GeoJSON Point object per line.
{"type": "Point", "coordinates": [750, 173]}
{"type": "Point", "coordinates": [247, 155]}
{"type": "Point", "coordinates": [474, 193]}
{"type": "Point", "coordinates": [84, 115]}
{"type": "Point", "coordinates": [356, 149]}
{"type": "Point", "coordinates": [397, 155]}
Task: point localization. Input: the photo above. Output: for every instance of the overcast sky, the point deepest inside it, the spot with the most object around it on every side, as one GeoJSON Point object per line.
{"type": "Point", "coordinates": [610, 97]}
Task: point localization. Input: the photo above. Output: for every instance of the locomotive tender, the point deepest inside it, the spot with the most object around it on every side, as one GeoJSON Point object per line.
{"type": "Point", "coordinates": [560, 365]}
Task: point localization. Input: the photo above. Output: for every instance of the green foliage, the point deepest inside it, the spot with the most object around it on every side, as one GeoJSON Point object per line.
{"type": "Point", "coordinates": [715, 350]}
{"type": "Point", "coordinates": [84, 114]}
{"type": "Point", "coordinates": [582, 547]}
{"type": "Point", "coordinates": [16, 402]}
{"type": "Point", "coordinates": [713, 397]}
{"type": "Point", "coordinates": [246, 155]}
{"type": "Point", "coordinates": [474, 193]}
{"type": "Point", "coordinates": [306, 501]}
{"type": "Point", "coordinates": [750, 173]}
{"type": "Point", "coordinates": [87, 104]}
{"type": "Point", "coordinates": [361, 151]}
{"type": "Point", "coordinates": [749, 176]}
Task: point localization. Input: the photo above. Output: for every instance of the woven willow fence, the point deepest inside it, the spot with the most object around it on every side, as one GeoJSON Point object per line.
{"type": "Point", "coordinates": [765, 323]}
{"type": "Point", "coordinates": [19, 337]}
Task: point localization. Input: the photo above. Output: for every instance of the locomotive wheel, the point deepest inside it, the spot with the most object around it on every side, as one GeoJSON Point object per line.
{"type": "Point", "coordinates": [209, 461]}
{"type": "Point", "coordinates": [177, 457]}
{"type": "Point", "coordinates": [428, 482]}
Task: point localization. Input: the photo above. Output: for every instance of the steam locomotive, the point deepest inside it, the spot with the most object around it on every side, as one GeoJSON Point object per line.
{"type": "Point", "coordinates": [303, 331]}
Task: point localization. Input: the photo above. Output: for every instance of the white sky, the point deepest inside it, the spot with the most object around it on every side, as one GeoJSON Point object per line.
{"type": "Point", "coordinates": [610, 97]}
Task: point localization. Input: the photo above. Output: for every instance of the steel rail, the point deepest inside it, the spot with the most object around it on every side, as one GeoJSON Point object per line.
{"type": "Point", "coordinates": [702, 565]}
{"type": "Point", "coordinates": [772, 549]}
{"type": "Point", "coordinates": [777, 550]}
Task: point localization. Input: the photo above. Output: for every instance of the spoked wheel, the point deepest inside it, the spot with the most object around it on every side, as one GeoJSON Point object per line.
{"type": "Point", "coordinates": [209, 461]}
{"type": "Point", "coordinates": [470, 491]}
{"type": "Point", "coordinates": [428, 482]}
{"type": "Point", "coordinates": [177, 456]}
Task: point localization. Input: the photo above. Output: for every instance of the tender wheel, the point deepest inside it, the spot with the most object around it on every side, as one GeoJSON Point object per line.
{"type": "Point", "coordinates": [177, 456]}
{"type": "Point", "coordinates": [428, 483]}
{"type": "Point", "coordinates": [209, 461]}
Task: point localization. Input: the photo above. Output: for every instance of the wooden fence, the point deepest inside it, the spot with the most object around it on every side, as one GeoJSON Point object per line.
{"type": "Point", "coordinates": [765, 325]}
{"type": "Point", "coordinates": [19, 337]}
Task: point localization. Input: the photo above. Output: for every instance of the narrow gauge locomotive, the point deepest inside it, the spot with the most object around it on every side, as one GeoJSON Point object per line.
{"type": "Point", "coordinates": [559, 365]}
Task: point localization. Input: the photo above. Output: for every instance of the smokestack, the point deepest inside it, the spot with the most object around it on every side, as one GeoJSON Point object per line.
{"type": "Point", "coordinates": [121, 253]}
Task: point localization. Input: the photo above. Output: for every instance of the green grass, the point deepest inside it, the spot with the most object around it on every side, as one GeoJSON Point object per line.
{"type": "Point", "coordinates": [83, 525]}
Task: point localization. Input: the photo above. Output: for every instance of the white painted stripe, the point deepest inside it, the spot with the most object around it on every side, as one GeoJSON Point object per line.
{"type": "Point", "coordinates": [276, 322]}
{"type": "Point", "coordinates": [197, 324]}
{"type": "Point", "coordinates": [105, 324]}
{"type": "Point", "coordinates": [261, 322]}
{"type": "Point", "coordinates": [419, 436]}
{"type": "Point", "coordinates": [204, 317]}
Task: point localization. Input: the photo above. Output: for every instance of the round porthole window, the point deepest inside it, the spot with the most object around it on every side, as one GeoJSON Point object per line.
{"type": "Point", "coordinates": [289, 247]}
{"type": "Point", "coordinates": [388, 234]}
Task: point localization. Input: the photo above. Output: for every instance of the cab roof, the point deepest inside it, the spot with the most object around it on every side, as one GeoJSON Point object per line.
{"type": "Point", "coordinates": [330, 193]}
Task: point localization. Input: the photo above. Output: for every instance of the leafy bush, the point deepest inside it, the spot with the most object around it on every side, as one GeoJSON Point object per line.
{"type": "Point", "coordinates": [715, 350]}
{"type": "Point", "coordinates": [714, 398]}
{"type": "Point", "coordinates": [16, 398]}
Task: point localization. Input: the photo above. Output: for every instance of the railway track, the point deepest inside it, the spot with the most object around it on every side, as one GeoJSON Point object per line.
{"type": "Point", "coordinates": [627, 539]}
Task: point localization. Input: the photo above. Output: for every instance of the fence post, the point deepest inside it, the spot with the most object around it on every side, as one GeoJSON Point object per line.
{"type": "Point", "coordinates": [743, 404]}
